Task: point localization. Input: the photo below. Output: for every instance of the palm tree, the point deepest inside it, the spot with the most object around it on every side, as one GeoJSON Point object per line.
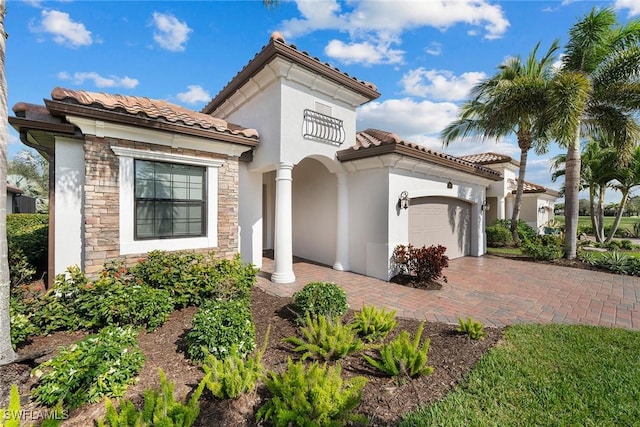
{"type": "Point", "coordinates": [7, 355]}
{"type": "Point", "coordinates": [596, 91]}
{"type": "Point", "coordinates": [596, 175]}
{"type": "Point", "coordinates": [510, 101]}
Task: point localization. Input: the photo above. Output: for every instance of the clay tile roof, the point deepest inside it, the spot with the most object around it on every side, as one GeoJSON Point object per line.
{"type": "Point", "coordinates": [530, 187]}
{"type": "Point", "coordinates": [487, 158]}
{"type": "Point", "coordinates": [373, 142]}
{"type": "Point", "coordinates": [278, 46]}
{"type": "Point", "coordinates": [150, 108]}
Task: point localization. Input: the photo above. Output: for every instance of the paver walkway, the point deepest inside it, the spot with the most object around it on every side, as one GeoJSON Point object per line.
{"type": "Point", "coordinates": [494, 290]}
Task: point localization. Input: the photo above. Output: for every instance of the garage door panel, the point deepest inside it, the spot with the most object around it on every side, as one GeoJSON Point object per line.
{"type": "Point", "coordinates": [441, 221]}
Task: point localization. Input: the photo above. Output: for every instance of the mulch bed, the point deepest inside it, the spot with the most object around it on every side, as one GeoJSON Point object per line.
{"type": "Point", "coordinates": [383, 402]}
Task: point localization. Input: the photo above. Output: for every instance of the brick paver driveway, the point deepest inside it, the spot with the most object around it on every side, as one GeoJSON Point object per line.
{"type": "Point", "coordinates": [493, 290]}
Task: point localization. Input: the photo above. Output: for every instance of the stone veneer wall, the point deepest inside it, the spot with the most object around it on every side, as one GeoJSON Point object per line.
{"type": "Point", "coordinates": [101, 202]}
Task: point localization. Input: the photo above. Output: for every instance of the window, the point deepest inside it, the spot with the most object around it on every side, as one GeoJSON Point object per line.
{"type": "Point", "coordinates": [170, 200]}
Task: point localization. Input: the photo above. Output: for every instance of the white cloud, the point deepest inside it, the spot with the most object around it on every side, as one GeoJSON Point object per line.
{"type": "Point", "coordinates": [434, 48]}
{"type": "Point", "coordinates": [439, 84]}
{"type": "Point", "coordinates": [63, 30]}
{"type": "Point", "coordinates": [194, 94]}
{"type": "Point", "coordinates": [367, 53]}
{"type": "Point", "coordinates": [406, 116]}
{"type": "Point", "coordinates": [98, 80]}
{"type": "Point", "coordinates": [170, 33]}
{"type": "Point", "coordinates": [375, 26]}
{"type": "Point", "coordinates": [632, 5]}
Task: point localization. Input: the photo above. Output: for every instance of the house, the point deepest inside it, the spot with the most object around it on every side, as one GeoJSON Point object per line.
{"type": "Point", "coordinates": [272, 162]}
{"type": "Point", "coordinates": [18, 202]}
{"type": "Point", "coordinates": [537, 208]}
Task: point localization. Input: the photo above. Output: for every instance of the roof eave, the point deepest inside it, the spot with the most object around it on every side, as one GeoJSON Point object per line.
{"type": "Point", "coordinates": [274, 49]}
{"type": "Point", "coordinates": [59, 107]}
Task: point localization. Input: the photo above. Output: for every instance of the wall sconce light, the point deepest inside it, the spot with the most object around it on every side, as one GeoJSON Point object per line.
{"type": "Point", "coordinates": [449, 185]}
{"type": "Point", "coordinates": [485, 206]}
{"type": "Point", "coordinates": [542, 209]}
{"type": "Point", "coordinates": [403, 200]}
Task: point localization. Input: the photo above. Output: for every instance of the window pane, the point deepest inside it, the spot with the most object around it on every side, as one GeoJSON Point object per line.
{"type": "Point", "coordinates": [170, 200]}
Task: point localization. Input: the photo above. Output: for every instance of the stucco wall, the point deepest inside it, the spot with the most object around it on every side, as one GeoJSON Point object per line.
{"type": "Point", "coordinates": [314, 212]}
{"type": "Point", "coordinates": [368, 222]}
{"type": "Point", "coordinates": [69, 204]}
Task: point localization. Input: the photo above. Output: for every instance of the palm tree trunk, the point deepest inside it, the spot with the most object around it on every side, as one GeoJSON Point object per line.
{"type": "Point", "coordinates": [515, 216]}
{"type": "Point", "coordinates": [618, 217]}
{"type": "Point", "coordinates": [571, 202]}
{"type": "Point", "coordinates": [593, 212]}
{"type": "Point", "coordinates": [600, 213]}
{"type": "Point", "coordinates": [7, 355]}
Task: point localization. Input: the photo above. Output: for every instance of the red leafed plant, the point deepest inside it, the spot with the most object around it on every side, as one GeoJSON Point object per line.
{"type": "Point", "coordinates": [426, 263]}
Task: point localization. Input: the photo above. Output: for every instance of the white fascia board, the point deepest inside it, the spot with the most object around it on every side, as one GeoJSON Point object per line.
{"type": "Point", "coordinates": [104, 129]}
{"type": "Point", "coordinates": [164, 157]}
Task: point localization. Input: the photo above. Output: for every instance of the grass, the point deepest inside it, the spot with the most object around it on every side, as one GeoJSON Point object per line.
{"type": "Point", "coordinates": [585, 221]}
{"type": "Point", "coordinates": [547, 375]}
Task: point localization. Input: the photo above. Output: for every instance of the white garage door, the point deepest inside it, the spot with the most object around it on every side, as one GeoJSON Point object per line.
{"type": "Point", "coordinates": [441, 221]}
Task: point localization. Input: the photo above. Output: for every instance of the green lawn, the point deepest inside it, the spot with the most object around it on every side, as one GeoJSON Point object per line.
{"type": "Point", "coordinates": [547, 375]}
{"type": "Point", "coordinates": [585, 221]}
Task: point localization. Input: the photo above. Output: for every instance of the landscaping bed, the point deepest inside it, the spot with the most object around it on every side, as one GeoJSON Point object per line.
{"type": "Point", "coordinates": [383, 402]}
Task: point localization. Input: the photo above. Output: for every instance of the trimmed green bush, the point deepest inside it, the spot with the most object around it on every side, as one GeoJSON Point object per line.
{"type": "Point", "coordinates": [27, 239]}
{"type": "Point", "coordinates": [98, 366]}
{"type": "Point", "coordinates": [498, 236]}
{"type": "Point", "coordinates": [191, 278]}
{"type": "Point", "coordinates": [525, 231]}
{"type": "Point", "coordinates": [320, 299]}
{"type": "Point", "coordinates": [543, 248]}
{"type": "Point", "coordinates": [21, 326]}
{"type": "Point", "coordinates": [220, 325]}
{"type": "Point", "coordinates": [311, 396]}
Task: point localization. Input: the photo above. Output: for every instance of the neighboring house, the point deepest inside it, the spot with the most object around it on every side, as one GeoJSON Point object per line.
{"type": "Point", "coordinates": [538, 202]}
{"type": "Point", "coordinates": [134, 174]}
{"type": "Point", "coordinates": [17, 202]}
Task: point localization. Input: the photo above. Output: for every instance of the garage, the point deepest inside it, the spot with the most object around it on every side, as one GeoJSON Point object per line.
{"type": "Point", "coordinates": [441, 221]}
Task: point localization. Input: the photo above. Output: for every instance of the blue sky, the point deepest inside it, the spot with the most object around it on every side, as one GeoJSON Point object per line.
{"type": "Point", "coordinates": [423, 56]}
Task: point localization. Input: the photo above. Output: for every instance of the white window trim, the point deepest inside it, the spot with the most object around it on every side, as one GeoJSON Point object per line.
{"type": "Point", "coordinates": [128, 244]}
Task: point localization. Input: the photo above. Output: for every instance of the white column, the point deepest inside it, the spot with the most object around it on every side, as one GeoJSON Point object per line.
{"type": "Point", "coordinates": [283, 245]}
{"type": "Point", "coordinates": [342, 228]}
{"type": "Point", "coordinates": [501, 209]}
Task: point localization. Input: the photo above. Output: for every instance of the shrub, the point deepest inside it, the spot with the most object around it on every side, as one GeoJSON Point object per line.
{"type": "Point", "coordinates": [56, 309]}
{"type": "Point", "coordinates": [311, 396]}
{"type": "Point", "coordinates": [100, 365]}
{"type": "Point", "coordinates": [27, 240]}
{"type": "Point", "coordinates": [626, 244]}
{"type": "Point", "coordinates": [525, 231]}
{"type": "Point", "coordinates": [474, 330]}
{"type": "Point", "coordinates": [117, 299]}
{"type": "Point", "coordinates": [373, 324]}
{"type": "Point", "coordinates": [425, 263]}
{"type": "Point", "coordinates": [218, 326]}
{"type": "Point", "coordinates": [498, 236]}
{"type": "Point", "coordinates": [233, 376]}
{"type": "Point", "coordinates": [543, 248]}
{"type": "Point", "coordinates": [21, 326]}
{"type": "Point", "coordinates": [403, 356]}
{"type": "Point", "coordinates": [320, 299]}
{"type": "Point", "coordinates": [325, 338]}
{"type": "Point", "coordinates": [160, 409]}
{"type": "Point", "coordinates": [191, 278]}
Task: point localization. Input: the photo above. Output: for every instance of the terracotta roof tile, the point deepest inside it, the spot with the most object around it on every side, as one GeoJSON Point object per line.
{"type": "Point", "coordinates": [150, 108]}
{"type": "Point", "coordinates": [530, 187]}
{"type": "Point", "coordinates": [487, 158]}
{"type": "Point", "coordinates": [372, 139]}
